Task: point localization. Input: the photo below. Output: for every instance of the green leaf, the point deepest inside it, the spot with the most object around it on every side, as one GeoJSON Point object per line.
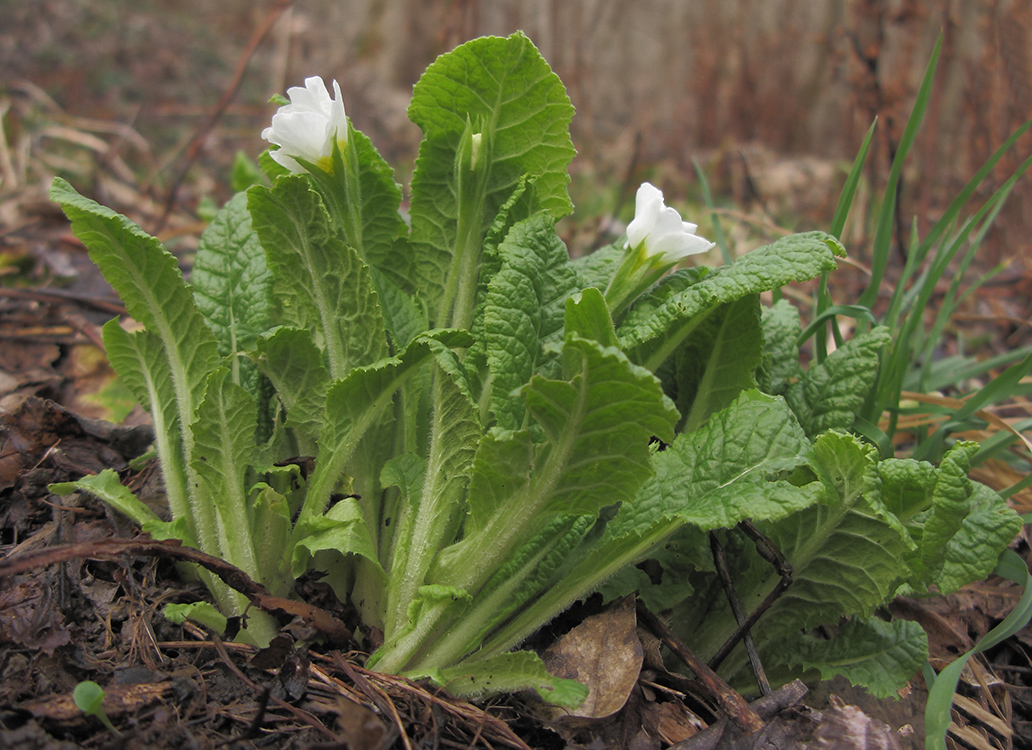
{"type": "Point", "coordinates": [652, 333]}
{"type": "Point", "coordinates": [149, 282]}
{"type": "Point", "coordinates": [524, 307]}
{"type": "Point", "coordinates": [738, 466]}
{"type": "Point", "coordinates": [271, 528]}
{"type": "Point", "coordinates": [223, 451]}
{"type": "Point", "coordinates": [597, 268]}
{"type": "Point", "coordinates": [871, 653]}
{"type": "Point", "coordinates": [831, 393]}
{"type": "Point", "coordinates": [505, 89]}
{"type": "Point", "coordinates": [200, 612]}
{"type": "Point", "coordinates": [108, 487]}
{"type": "Point", "coordinates": [232, 284]}
{"type": "Point", "coordinates": [290, 359]}
{"type": "Point", "coordinates": [140, 362]}
{"type": "Point", "coordinates": [322, 284]}
{"type": "Point", "coordinates": [718, 361]}
{"type": "Point", "coordinates": [88, 696]}
{"type": "Point", "coordinates": [530, 571]}
{"type": "Point", "coordinates": [735, 467]}
{"type": "Point", "coordinates": [781, 327]}
{"type": "Point", "coordinates": [455, 431]}
{"type": "Point", "coordinates": [509, 673]}
{"type": "Point", "coordinates": [382, 225]}
{"type": "Point", "coordinates": [245, 173]}
{"type": "Point", "coordinates": [972, 553]}
{"type": "Point", "coordinates": [847, 559]}
{"type": "Point", "coordinates": [354, 403]}
{"type": "Point", "coordinates": [597, 424]}
{"type": "Point", "coordinates": [587, 316]}
{"type": "Point", "coordinates": [329, 539]}
{"type": "Point", "coordinates": [272, 168]}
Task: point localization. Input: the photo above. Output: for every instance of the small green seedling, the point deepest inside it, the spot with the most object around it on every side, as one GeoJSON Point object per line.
{"type": "Point", "coordinates": [89, 697]}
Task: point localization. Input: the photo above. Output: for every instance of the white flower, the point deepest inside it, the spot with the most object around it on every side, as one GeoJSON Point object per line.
{"type": "Point", "coordinates": [307, 127]}
{"type": "Point", "coordinates": [666, 236]}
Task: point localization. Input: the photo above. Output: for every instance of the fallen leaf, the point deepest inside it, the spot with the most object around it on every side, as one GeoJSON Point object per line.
{"type": "Point", "coordinates": [603, 653]}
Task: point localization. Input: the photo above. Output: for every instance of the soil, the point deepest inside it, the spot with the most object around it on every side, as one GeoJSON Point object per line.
{"type": "Point", "coordinates": [81, 593]}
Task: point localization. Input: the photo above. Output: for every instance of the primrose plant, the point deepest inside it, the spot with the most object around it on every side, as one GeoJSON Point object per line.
{"type": "Point", "coordinates": [498, 430]}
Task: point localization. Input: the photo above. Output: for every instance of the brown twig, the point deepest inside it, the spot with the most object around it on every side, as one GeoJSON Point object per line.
{"type": "Point", "coordinates": [771, 554]}
{"type": "Point", "coordinates": [733, 704]}
{"type": "Point", "coordinates": [234, 577]}
{"type": "Point", "coordinates": [723, 572]}
{"type": "Point", "coordinates": [193, 149]}
{"type": "Point", "coordinates": [60, 295]}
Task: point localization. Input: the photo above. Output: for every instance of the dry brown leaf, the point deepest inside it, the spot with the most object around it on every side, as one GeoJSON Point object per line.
{"type": "Point", "coordinates": [603, 653]}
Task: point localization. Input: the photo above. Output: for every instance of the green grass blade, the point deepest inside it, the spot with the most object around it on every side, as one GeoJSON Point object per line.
{"type": "Point", "coordinates": [942, 689]}
{"type": "Point", "coordinates": [718, 230]}
{"type": "Point", "coordinates": [998, 389]}
{"type": "Point", "coordinates": [886, 216]}
{"type": "Point", "coordinates": [845, 201]}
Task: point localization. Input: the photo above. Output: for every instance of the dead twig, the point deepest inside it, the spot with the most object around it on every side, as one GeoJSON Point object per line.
{"type": "Point", "coordinates": [193, 149]}
{"type": "Point", "coordinates": [771, 554]}
{"type": "Point", "coordinates": [733, 704]}
{"type": "Point", "coordinates": [720, 559]}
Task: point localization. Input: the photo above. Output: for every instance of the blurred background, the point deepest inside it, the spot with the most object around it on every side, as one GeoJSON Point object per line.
{"type": "Point", "coordinates": [771, 97]}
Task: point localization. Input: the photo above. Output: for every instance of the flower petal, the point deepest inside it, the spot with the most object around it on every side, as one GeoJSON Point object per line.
{"type": "Point", "coordinates": [673, 248]}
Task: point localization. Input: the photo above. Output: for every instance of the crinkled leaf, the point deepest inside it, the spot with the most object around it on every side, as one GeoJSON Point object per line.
{"type": "Point", "coordinates": [354, 403]}
{"type": "Point", "coordinates": [405, 315]}
{"type": "Point", "coordinates": [223, 451]}
{"type": "Point", "coordinates": [987, 530]}
{"type": "Point", "coordinates": [506, 88]}
{"type": "Point", "coordinates": [293, 363]}
{"type": "Point", "coordinates": [877, 655]}
{"type": "Point", "coordinates": [957, 526]}
{"type": "Point", "coordinates": [781, 329]}
{"type": "Point", "coordinates": [735, 467]}
{"type": "Point", "coordinates": [846, 558]}
{"type": "Point", "coordinates": [517, 208]}
{"type": "Point", "coordinates": [230, 279]}
{"type": "Point", "coordinates": [233, 289]}
{"type": "Point", "coordinates": [455, 431]}
{"type": "Point", "coordinates": [149, 282]}
{"type": "Point", "coordinates": [382, 225]}
{"type": "Point", "coordinates": [524, 306]}
{"type": "Point", "coordinates": [597, 268]}
{"type": "Point", "coordinates": [831, 393]}
{"type": "Point", "coordinates": [652, 332]}
{"type": "Point", "coordinates": [738, 466]}
{"type": "Point", "coordinates": [598, 422]}
{"type": "Point", "coordinates": [322, 285]}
